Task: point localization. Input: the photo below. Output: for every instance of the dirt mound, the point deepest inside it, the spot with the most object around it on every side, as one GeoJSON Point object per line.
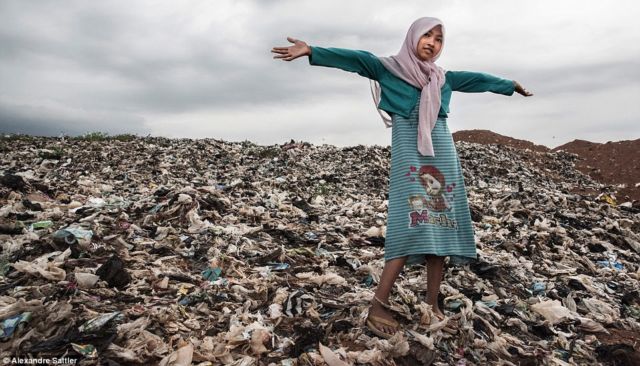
{"type": "Point", "coordinates": [616, 163]}
{"type": "Point", "coordinates": [612, 163]}
{"type": "Point", "coordinates": [489, 137]}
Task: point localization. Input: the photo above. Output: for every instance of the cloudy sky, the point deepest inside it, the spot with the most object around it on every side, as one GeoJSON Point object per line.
{"type": "Point", "coordinates": [204, 68]}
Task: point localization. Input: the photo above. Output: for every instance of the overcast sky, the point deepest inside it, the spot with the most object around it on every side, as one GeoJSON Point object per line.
{"type": "Point", "coordinates": [204, 68]}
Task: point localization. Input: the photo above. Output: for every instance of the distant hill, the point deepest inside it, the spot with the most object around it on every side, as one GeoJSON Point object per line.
{"type": "Point", "coordinates": [490, 137]}
{"type": "Point", "coordinates": [615, 163]}
{"type": "Point", "coordinates": [612, 162]}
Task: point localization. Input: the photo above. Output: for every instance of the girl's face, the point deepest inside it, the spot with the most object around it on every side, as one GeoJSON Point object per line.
{"type": "Point", "coordinates": [430, 44]}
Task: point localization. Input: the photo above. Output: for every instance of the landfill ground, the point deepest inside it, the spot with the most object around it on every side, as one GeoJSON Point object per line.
{"type": "Point", "coordinates": [156, 251]}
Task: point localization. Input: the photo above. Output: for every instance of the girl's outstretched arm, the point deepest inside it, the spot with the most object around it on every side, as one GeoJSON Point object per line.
{"type": "Point", "coordinates": [480, 82]}
{"type": "Point", "coordinates": [299, 49]}
{"type": "Point", "coordinates": [361, 62]}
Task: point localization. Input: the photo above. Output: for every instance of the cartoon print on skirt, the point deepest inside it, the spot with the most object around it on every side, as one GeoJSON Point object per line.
{"type": "Point", "coordinates": [432, 207]}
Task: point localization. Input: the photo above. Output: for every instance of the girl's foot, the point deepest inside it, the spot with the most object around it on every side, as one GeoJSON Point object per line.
{"type": "Point", "coordinates": [381, 319]}
{"type": "Point", "coordinates": [437, 312]}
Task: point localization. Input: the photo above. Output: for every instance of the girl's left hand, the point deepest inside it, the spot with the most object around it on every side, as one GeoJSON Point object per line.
{"type": "Point", "coordinates": [521, 90]}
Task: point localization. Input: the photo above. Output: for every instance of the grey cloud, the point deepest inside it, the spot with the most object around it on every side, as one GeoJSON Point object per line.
{"type": "Point", "coordinates": [129, 61]}
{"type": "Point", "coordinates": [52, 121]}
{"type": "Point", "coordinates": [201, 75]}
{"type": "Point", "coordinates": [583, 78]}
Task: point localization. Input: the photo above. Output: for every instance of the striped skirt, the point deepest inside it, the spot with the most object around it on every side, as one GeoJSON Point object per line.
{"type": "Point", "coordinates": [428, 207]}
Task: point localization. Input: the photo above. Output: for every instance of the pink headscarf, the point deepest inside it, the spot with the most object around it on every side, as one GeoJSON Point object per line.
{"type": "Point", "coordinates": [424, 75]}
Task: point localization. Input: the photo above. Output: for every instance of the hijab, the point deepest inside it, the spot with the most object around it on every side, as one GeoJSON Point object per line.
{"type": "Point", "coordinates": [424, 75]}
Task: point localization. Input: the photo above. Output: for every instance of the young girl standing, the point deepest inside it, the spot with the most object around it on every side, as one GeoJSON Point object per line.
{"type": "Point", "coordinates": [428, 214]}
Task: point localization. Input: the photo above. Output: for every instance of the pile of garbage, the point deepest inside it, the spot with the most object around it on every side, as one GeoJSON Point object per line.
{"type": "Point", "coordinates": [206, 252]}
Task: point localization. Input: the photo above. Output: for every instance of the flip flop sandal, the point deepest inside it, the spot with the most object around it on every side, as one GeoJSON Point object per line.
{"type": "Point", "coordinates": [394, 309]}
{"type": "Point", "coordinates": [375, 330]}
{"type": "Point", "coordinates": [386, 306]}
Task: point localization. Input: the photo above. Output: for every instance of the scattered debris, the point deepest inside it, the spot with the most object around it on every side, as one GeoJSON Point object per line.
{"type": "Point", "coordinates": [173, 252]}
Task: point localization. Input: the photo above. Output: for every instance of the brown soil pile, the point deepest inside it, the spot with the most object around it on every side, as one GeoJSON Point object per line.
{"type": "Point", "coordinates": [616, 163]}
{"type": "Point", "coordinates": [612, 163]}
{"type": "Point", "coordinates": [489, 137]}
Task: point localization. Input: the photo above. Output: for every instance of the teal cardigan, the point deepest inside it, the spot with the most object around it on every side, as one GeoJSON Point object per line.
{"type": "Point", "coordinates": [398, 96]}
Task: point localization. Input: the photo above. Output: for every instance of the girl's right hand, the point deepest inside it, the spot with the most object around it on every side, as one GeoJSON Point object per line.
{"type": "Point", "coordinates": [298, 49]}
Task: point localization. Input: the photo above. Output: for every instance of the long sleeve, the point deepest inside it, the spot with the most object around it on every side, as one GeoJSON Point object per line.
{"type": "Point", "coordinates": [361, 62]}
{"type": "Point", "coordinates": [478, 82]}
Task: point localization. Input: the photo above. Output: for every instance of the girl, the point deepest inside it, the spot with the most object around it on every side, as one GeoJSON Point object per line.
{"type": "Point", "coordinates": [428, 214]}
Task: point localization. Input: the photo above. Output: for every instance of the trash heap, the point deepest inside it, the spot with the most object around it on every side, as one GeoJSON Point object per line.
{"type": "Point", "coordinates": [177, 252]}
